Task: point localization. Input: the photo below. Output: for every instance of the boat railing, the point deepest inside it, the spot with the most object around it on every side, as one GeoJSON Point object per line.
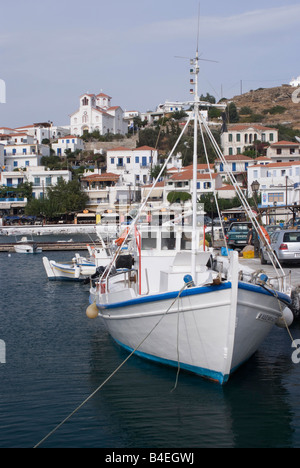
{"type": "Point", "coordinates": [130, 279]}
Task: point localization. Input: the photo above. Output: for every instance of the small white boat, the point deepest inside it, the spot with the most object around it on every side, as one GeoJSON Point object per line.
{"type": "Point", "coordinates": [80, 268]}
{"type": "Point", "coordinates": [26, 246]}
{"type": "Point", "coordinates": [68, 271]}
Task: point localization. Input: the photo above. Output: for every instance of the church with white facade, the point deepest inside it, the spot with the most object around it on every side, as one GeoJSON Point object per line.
{"type": "Point", "coordinates": [96, 113]}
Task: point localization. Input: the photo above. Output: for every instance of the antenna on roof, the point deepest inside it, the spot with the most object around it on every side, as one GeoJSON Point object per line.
{"type": "Point", "coordinates": [197, 45]}
{"type": "Point", "coordinates": [198, 29]}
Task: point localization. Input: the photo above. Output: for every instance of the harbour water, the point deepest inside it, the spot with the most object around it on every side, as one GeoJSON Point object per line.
{"type": "Point", "coordinates": [56, 357]}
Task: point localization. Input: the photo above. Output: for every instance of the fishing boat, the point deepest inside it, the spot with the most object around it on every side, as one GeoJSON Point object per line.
{"type": "Point", "coordinates": [201, 315]}
{"type": "Point", "coordinates": [80, 268]}
{"type": "Point", "coordinates": [76, 270]}
{"type": "Point", "coordinates": [26, 246]}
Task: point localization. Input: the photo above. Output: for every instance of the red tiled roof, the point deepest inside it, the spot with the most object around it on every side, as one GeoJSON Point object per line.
{"type": "Point", "coordinates": [199, 167]}
{"type": "Point", "coordinates": [106, 177]}
{"type": "Point", "coordinates": [227, 187]}
{"type": "Point", "coordinates": [238, 157]}
{"type": "Point", "coordinates": [144, 148]}
{"type": "Point", "coordinates": [188, 175]}
{"type": "Point", "coordinates": [285, 143]}
{"type": "Point", "coordinates": [68, 136]}
{"type": "Point", "coordinates": [240, 127]}
{"type": "Point", "coordinates": [103, 95]}
{"type": "Point", "coordinates": [120, 148]}
{"type": "Point", "coordinates": [262, 158]}
{"type": "Point", "coordinates": [281, 164]}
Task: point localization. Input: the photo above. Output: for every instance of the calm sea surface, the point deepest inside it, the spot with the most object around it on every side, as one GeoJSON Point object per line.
{"type": "Point", "coordinates": [56, 357]}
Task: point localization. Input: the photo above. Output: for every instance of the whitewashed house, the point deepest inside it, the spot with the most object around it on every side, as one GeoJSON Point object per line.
{"type": "Point", "coordinates": [237, 164]}
{"type": "Point", "coordinates": [40, 177]}
{"type": "Point", "coordinates": [279, 183]}
{"type": "Point", "coordinates": [71, 142]}
{"type": "Point", "coordinates": [96, 113]}
{"type": "Point", "coordinates": [134, 165]}
{"type": "Point", "coordinates": [1, 156]}
{"type": "Point", "coordinates": [108, 191]}
{"type": "Point", "coordinates": [6, 130]}
{"type": "Point", "coordinates": [284, 151]}
{"type": "Point", "coordinates": [183, 182]}
{"type": "Point", "coordinates": [240, 136]}
{"type": "Point", "coordinates": [295, 82]}
{"type": "Point", "coordinates": [22, 155]}
{"type": "Point", "coordinates": [43, 130]}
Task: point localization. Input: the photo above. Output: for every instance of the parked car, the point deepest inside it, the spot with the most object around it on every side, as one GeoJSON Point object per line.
{"type": "Point", "coordinates": [272, 228]}
{"type": "Point", "coordinates": [237, 235]}
{"type": "Point", "coordinates": [290, 224]}
{"type": "Point", "coordinates": [286, 246]}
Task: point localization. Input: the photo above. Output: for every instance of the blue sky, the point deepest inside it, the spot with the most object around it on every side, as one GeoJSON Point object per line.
{"type": "Point", "coordinates": [52, 52]}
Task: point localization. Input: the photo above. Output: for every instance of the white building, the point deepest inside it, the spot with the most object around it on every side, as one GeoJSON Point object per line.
{"type": "Point", "coordinates": [108, 191]}
{"type": "Point", "coordinates": [295, 82]}
{"type": "Point", "coordinates": [23, 155]}
{"type": "Point", "coordinates": [44, 130]}
{"type": "Point", "coordinates": [129, 117]}
{"type": "Point", "coordinates": [279, 183]}
{"type": "Point", "coordinates": [95, 113]}
{"type": "Point", "coordinates": [240, 136]}
{"type": "Point", "coordinates": [183, 182]}
{"type": "Point", "coordinates": [40, 177]}
{"type": "Point", "coordinates": [237, 164]}
{"type": "Point", "coordinates": [16, 138]}
{"type": "Point", "coordinates": [1, 156]}
{"type": "Point", "coordinates": [134, 165]}
{"type": "Point", "coordinates": [71, 142]}
{"type": "Point", "coordinates": [6, 130]}
{"type": "Point", "coordinates": [284, 151]}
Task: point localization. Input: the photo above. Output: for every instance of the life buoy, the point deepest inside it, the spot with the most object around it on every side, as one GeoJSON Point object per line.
{"type": "Point", "coordinates": [122, 237]}
{"type": "Point", "coordinates": [266, 234]}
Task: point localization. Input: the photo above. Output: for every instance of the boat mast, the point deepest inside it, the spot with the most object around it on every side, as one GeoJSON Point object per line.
{"type": "Point", "coordinates": [195, 63]}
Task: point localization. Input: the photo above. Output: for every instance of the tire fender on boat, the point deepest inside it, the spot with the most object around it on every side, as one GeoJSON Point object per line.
{"type": "Point", "coordinates": [286, 319]}
{"type": "Point", "coordinates": [92, 311]}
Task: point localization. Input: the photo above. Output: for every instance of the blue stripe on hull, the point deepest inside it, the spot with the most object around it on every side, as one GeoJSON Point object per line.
{"type": "Point", "coordinates": [64, 278]}
{"type": "Point", "coordinates": [166, 296]}
{"type": "Point", "coordinates": [191, 292]}
{"type": "Point", "coordinates": [202, 372]}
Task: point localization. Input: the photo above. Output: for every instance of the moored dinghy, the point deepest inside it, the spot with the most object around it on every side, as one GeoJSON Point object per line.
{"type": "Point", "coordinates": [27, 246]}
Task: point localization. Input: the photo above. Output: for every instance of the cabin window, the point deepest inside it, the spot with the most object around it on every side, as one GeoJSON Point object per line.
{"type": "Point", "coordinates": [149, 240]}
{"type": "Point", "coordinates": [168, 241]}
{"type": "Point", "coordinates": [186, 241]}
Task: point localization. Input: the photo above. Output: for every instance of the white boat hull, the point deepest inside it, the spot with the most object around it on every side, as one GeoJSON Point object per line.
{"type": "Point", "coordinates": [67, 271]}
{"type": "Point", "coordinates": [207, 337]}
{"type": "Point", "coordinates": [27, 249]}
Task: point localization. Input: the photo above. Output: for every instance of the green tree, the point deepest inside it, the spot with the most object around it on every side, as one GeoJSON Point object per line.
{"type": "Point", "coordinates": [25, 190]}
{"type": "Point", "coordinates": [155, 171]}
{"type": "Point", "coordinates": [178, 197]}
{"type": "Point", "coordinates": [208, 98]}
{"type": "Point", "coordinates": [233, 113]}
{"type": "Point", "coordinates": [63, 198]}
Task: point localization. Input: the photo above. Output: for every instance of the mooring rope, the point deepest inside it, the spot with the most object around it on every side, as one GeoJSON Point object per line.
{"type": "Point", "coordinates": [113, 373]}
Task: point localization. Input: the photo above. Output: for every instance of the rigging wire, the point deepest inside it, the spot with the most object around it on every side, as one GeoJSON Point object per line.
{"type": "Point", "coordinates": [114, 372]}
{"type": "Point", "coordinates": [241, 195]}
{"type": "Point", "coordinates": [214, 192]}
